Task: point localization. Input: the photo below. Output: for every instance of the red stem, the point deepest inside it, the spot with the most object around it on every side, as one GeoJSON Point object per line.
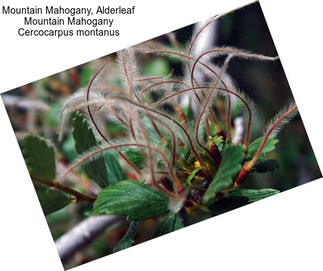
{"type": "Point", "coordinates": [88, 156]}
{"type": "Point", "coordinates": [78, 196]}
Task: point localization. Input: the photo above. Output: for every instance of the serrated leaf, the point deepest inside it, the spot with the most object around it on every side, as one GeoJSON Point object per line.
{"type": "Point", "coordinates": [52, 200]}
{"type": "Point", "coordinates": [133, 199]}
{"type": "Point", "coordinates": [39, 157]}
{"type": "Point", "coordinates": [232, 157]}
{"type": "Point", "coordinates": [84, 141]}
{"type": "Point", "coordinates": [136, 157]}
{"type": "Point", "coordinates": [266, 165]}
{"type": "Point", "coordinates": [128, 239]}
{"type": "Point", "coordinates": [253, 147]}
{"type": "Point", "coordinates": [253, 194]}
{"type": "Point", "coordinates": [115, 172]}
{"type": "Point", "coordinates": [167, 224]}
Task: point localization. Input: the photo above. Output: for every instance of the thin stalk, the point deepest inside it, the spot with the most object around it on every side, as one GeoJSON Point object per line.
{"type": "Point", "coordinates": [228, 118]}
{"type": "Point", "coordinates": [267, 135]}
{"type": "Point", "coordinates": [109, 87]}
{"type": "Point", "coordinates": [188, 57]}
{"type": "Point", "coordinates": [206, 103]}
{"type": "Point", "coordinates": [172, 38]}
{"type": "Point", "coordinates": [170, 52]}
{"type": "Point", "coordinates": [149, 78]}
{"type": "Point", "coordinates": [96, 152]}
{"type": "Point", "coordinates": [88, 106]}
{"type": "Point", "coordinates": [57, 185]}
{"type": "Point", "coordinates": [146, 136]}
{"type": "Point", "coordinates": [132, 131]}
{"type": "Point", "coordinates": [128, 77]}
{"type": "Point", "coordinates": [160, 135]}
{"type": "Point", "coordinates": [178, 109]}
{"type": "Point", "coordinates": [248, 166]}
{"type": "Point", "coordinates": [160, 83]}
{"type": "Point", "coordinates": [208, 128]}
{"type": "Point", "coordinates": [117, 116]}
{"type": "Point", "coordinates": [194, 38]}
{"type": "Point", "coordinates": [248, 129]}
{"type": "Point", "coordinates": [179, 92]}
{"type": "Point", "coordinates": [95, 124]}
{"type": "Point", "coordinates": [190, 47]}
{"type": "Point", "coordinates": [228, 51]}
{"type": "Point", "coordinates": [167, 117]}
{"type": "Point", "coordinates": [173, 151]}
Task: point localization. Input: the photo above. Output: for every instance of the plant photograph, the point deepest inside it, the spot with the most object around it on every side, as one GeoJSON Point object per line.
{"type": "Point", "coordinates": [161, 135]}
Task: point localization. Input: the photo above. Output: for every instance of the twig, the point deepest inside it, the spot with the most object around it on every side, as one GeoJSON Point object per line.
{"type": "Point", "coordinates": [83, 234]}
{"type": "Point", "coordinates": [78, 196]}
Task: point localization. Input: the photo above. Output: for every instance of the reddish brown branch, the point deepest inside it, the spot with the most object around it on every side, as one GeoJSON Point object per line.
{"type": "Point", "coordinates": [57, 185]}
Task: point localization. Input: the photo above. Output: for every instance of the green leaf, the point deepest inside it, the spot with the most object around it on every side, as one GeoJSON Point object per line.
{"type": "Point", "coordinates": [136, 157]}
{"type": "Point", "coordinates": [253, 147]}
{"type": "Point", "coordinates": [52, 200]}
{"type": "Point", "coordinates": [192, 175]}
{"type": "Point", "coordinates": [84, 141]}
{"type": "Point", "coordinates": [128, 239]}
{"type": "Point", "coordinates": [253, 194]}
{"type": "Point", "coordinates": [232, 157]}
{"type": "Point", "coordinates": [115, 129]}
{"type": "Point", "coordinates": [115, 172]}
{"type": "Point", "coordinates": [68, 148]}
{"type": "Point", "coordinates": [266, 165]}
{"type": "Point", "coordinates": [39, 157]}
{"type": "Point", "coordinates": [133, 199]}
{"type": "Point", "coordinates": [167, 224]}
{"type": "Point", "coordinates": [218, 140]}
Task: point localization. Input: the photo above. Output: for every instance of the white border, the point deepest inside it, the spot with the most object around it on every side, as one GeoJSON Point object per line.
{"type": "Point", "coordinates": [283, 232]}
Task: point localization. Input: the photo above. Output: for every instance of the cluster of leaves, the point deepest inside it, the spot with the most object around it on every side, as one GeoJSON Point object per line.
{"type": "Point", "coordinates": [176, 159]}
